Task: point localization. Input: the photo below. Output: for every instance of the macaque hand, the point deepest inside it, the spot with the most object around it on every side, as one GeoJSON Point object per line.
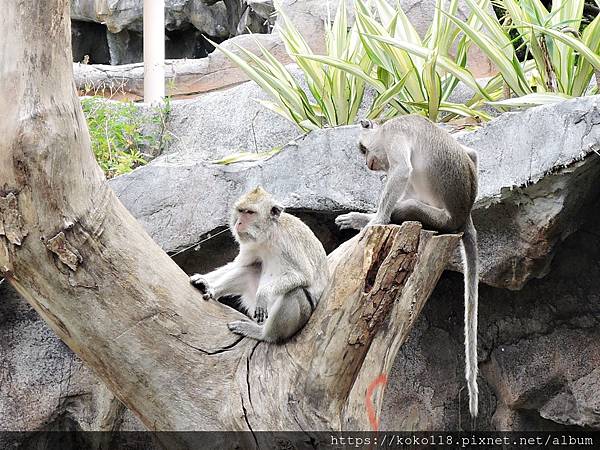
{"type": "Point", "coordinates": [260, 312]}
{"type": "Point", "coordinates": [202, 284]}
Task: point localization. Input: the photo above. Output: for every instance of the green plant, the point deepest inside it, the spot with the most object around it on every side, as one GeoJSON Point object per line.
{"type": "Point", "coordinates": [122, 135]}
{"type": "Point", "coordinates": [418, 75]}
{"type": "Point", "coordinates": [335, 95]}
{"type": "Point", "coordinates": [558, 63]}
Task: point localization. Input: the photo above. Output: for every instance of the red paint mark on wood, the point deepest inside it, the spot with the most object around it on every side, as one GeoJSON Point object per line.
{"type": "Point", "coordinates": [373, 420]}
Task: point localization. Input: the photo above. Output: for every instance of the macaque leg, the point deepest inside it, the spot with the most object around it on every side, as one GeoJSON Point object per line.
{"type": "Point", "coordinates": [353, 220]}
{"type": "Point", "coordinates": [430, 216]}
{"type": "Point", "coordinates": [287, 315]}
{"type": "Point", "coordinates": [398, 186]}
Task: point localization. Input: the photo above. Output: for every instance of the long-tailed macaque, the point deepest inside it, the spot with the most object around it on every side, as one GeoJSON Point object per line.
{"type": "Point", "coordinates": [279, 274]}
{"type": "Point", "coordinates": [432, 179]}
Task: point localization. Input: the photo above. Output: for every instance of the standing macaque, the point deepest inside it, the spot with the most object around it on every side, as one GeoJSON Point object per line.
{"type": "Point", "coordinates": [431, 179]}
{"type": "Point", "coordinates": [279, 274]}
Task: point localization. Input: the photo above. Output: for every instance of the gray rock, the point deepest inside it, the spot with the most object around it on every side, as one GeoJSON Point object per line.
{"type": "Point", "coordinates": [578, 403]}
{"type": "Point", "coordinates": [43, 385]}
{"type": "Point", "coordinates": [221, 123]}
{"type": "Point", "coordinates": [212, 20]}
{"type": "Point", "coordinates": [119, 15]}
{"type": "Point", "coordinates": [532, 180]}
{"type": "Point", "coordinates": [125, 47]}
{"type": "Point", "coordinates": [263, 8]}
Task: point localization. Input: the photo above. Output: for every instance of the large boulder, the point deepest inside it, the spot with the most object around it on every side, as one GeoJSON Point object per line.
{"type": "Point", "coordinates": [187, 23]}
{"type": "Point", "coordinates": [119, 15]}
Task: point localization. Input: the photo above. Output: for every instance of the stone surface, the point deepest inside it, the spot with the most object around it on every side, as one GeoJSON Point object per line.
{"type": "Point", "coordinates": [120, 15]}
{"type": "Point", "coordinates": [186, 22]}
{"type": "Point", "coordinates": [532, 183]}
{"type": "Point", "coordinates": [221, 123]}
{"type": "Point", "coordinates": [43, 385]}
{"type": "Point", "coordinates": [262, 8]}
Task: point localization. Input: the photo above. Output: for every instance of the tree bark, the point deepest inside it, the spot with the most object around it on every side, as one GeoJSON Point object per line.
{"type": "Point", "coordinates": [115, 298]}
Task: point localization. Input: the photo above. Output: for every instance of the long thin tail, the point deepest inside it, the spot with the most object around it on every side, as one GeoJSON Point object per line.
{"type": "Point", "coordinates": [471, 270]}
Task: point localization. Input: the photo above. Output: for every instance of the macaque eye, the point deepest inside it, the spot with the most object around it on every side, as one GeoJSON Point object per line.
{"type": "Point", "coordinates": [246, 211]}
{"type": "Point", "coordinates": [362, 148]}
{"type": "Point", "coordinates": [250, 212]}
{"type": "Point", "coordinates": [276, 211]}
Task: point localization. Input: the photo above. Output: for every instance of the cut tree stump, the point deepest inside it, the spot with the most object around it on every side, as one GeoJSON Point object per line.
{"type": "Point", "coordinates": [117, 300]}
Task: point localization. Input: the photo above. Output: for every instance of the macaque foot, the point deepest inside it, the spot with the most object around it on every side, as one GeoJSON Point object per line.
{"type": "Point", "coordinates": [201, 283]}
{"type": "Point", "coordinates": [260, 314]}
{"type": "Point", "coordinates": [353, 221]}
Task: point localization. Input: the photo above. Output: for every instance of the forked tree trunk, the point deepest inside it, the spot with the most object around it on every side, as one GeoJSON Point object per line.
{"type": "Point", "coordinates": [72, 250]}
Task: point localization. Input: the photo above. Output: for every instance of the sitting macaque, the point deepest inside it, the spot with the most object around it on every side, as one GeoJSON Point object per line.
{"type": "Point", "coordinates": [432, 179]}
{"type": "Point", "coordinates": [279, 274]}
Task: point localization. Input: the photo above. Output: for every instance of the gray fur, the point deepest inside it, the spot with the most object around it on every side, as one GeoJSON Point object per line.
{"type": "Point", "coordinates": [432, 179]}
{"type": "Point", "coordinates": [280, 263]}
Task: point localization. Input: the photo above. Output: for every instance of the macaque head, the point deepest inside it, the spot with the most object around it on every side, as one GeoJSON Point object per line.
{"type": "Point", "coordinates": [369, 145]}
{"type": "Point", "coordinates": [254, 214]}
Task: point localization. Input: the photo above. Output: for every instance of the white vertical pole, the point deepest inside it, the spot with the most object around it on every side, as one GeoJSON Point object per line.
{"type": "Point", "coordinates": [154, 51]}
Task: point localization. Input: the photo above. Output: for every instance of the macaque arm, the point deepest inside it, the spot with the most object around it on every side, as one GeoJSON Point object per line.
{"type": "Point", "coordinates": [392, 192]}
{"type": "Point", "coordinates": [222, 272]}
{"type": "Point", "coordinates": [243, 259]}
{"type": "Point", "coordinates": [234, 281]}
{"type": "Point", "coordinates": [233, 278]}
{"type": "Point", "coordinates": [472, 154]}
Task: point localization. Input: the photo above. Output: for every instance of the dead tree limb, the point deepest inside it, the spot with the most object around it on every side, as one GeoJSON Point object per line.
{"type": "Point", "coordinates": [184, 77]}
{"type": "Point", "coordinates": [76, 254]}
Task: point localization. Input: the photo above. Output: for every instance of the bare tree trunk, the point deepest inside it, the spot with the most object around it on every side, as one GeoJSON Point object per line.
{"type": "Point", "coordinates": [72, 250]}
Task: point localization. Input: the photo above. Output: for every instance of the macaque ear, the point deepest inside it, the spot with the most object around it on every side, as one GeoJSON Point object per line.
{"type": "Point", "coordinates": [276, 211]}
{"type": "Point", "coordinates": [367, 124]}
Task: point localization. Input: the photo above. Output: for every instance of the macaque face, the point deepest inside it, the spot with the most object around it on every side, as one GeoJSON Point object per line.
{"type": "Point", "coordinates": [375, 160]}
{"type": "Point", "coordinates": [368, 145]}
{"type": "Point", "coordinates": [245, 221]}
{"type": "Point", "coordinates": [254, 215]}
